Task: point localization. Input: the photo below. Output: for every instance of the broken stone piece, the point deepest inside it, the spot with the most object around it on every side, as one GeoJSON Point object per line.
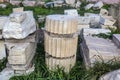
{"type": "Point", "coordinates": [107, 20]}
{"type": "Point", "coordinates": [6, 74]}
{"type": "Point", "coordinates": [103, 12]}
{"type": "Point", "coordinates": [83, 20]}
{"type": "Point", "coordinates": [29, 3]}
{"type": "Point", "coordinates": [19, 30]}
{"type": "Point", "coordinates": [91, 31]}
{"type": "Point", "coordinates": [72, 12]}
{"type": "Point", "coordinates": [98, 5]}
{"type": "Point", "coordinates": [89, 6]}
{"type": "Point", "coordinates": [17, 17]}
{"type": "Point", "coordinates": [70, 2]}
{"type": "Point", "coordinates": [20, 9]}
{"type": "Point", "coordinates": [15, 2]}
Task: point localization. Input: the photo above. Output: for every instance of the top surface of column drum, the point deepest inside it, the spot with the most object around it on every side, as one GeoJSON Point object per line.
{"type": "Point", "coordinates": [61, 24]}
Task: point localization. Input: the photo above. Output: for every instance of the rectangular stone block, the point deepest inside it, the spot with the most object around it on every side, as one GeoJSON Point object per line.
{"type": "Point", "coordinates": [91, 31]}
{"type": "Point", "coordinates": [16, 30]}
{"type": "Point", "coordinates": [2, 50]}
{"type": "Point", "coordinates": [29, 2]}
{"type": "Point", "coordinates": [19, 53]}
{"type": "Point", "coordinates": [116, 39]}
{"type": "Point", "coordinates": [20, 9]}
{"type": "Point", "coordinates": [83, 20]}
{"type": "Point", "coordinates": [107, 20]}
{"type": "Point", "coordinates": [72, 12]}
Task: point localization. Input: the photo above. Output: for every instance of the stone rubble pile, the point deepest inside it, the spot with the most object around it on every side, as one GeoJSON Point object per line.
{"type": "Point", "coordinates": [19, 33]}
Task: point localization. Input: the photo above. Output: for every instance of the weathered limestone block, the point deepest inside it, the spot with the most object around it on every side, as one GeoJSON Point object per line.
{"type": "Point", "coordinates": [6, 74]}
{"type": "Point", "coordinates": [60, 47]}
{"type": "Point", "coordinates": [20, 53]}
{"type": "Point", "coordinates": [107, 20]}
{"type": "Point", "coordinates": [61, 24]}
{"type": "Point", "coordinates": [116, 39]}
{"type": "Point", "coordinates": [65, 63]}
{"type": "Point", "coordinates": [15, 2]}
{"type": "Point", "coordinates": [92, 31]}
{"type": "Point", "coordinates": [78, 4]}
{"type": "Point", "coordinates": [20, 9]}
{"type": "Point", "coordinates": [81, 27]}
{"type": "Point", "coordinates": [83, 20]}
{"type": "Point", "coordinates": [17, 17]}
{"type": "Point", "coordinates": [89, 6]}
{"type": "Point", "coordinates": [30, 38]}
{"type": "Point", "coordinates": [2, 50]}
{"type": "Point", "coordinates": [98, 5]}
{"type": "Point", "coordinates": [19, 30]}
{"type": "Point", "coordinates": [114, 75]}
{"type": "Point", "coordinates": [103, 12]}
{"type": "Point", "coordinates": [25, 72]}
{"type": "Point", "coordinates": [3, 19]}
{"type": "Point", "coordinates": [72, 12]}
{"type": "Point", "coordinates": [98, 49]}
{"type": "Point", "coordinates": [71, 2]}
{"type": "Point", "coordinates": [29, 3]}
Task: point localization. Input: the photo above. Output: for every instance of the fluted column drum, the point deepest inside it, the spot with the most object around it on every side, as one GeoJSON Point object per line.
{"type": "Point", "coordinates": [61, 41]}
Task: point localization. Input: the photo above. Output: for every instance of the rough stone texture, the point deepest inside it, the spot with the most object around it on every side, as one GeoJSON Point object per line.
{"type": "Point", "coordinates": [15, 2]}
{"type": "Point", "coordinates": [24, 72]}
{"type": "Point", "coordinates": [19, 30]}
{"type": "Point", "coordinates": [20, 9]}
{"type": "Point", "coordinates": [103, 12]}
{"type": "Point", "coordinates": [116, 39]}
{"type": "Point", "coordinates": [20, 53]}
{"type": "Point", "coordinates": [114, 75]}
{"type": "Point", "coordinates": [72, 12]}
{"type": "Point", "coordinates": [98, 5]}
{"type": "Point", "coordinates": [80, 27]}
{"type": "Point", "coordinates": [30, 38]}
{"type": "Point", "coordinates": [107, 26]}
{"type": "Point", "coordinates": [83, 20]}
{"type": "Point", "coordinates": [98, 49]}
{"type": "Point", "coordinates": [2, 50]}
{"type": "Point", "coordinates": [6, 74]}
{"type": "Point", "coordinates": [89, 6]}
{"type": "Point", "coordinates": [78, 4]}
{"type": "Point", "coordinates": [91, 31]}
{"type": "Point", "coordinates": [3, 19]}
{"type": "Point", "coordinates": [29, 3]}
{"type": "Point", "coordinates": [107, 20]}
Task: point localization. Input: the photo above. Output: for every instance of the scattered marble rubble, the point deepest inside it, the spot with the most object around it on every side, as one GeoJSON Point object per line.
{"type": "Point", "coordinates": [15, 2]}
{"type": "Point", "coordinates": [29, 3]}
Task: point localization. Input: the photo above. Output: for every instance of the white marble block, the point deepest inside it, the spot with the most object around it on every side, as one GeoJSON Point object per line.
{"type": "Point", "coordinates": [103, 12]}
{"type": "Point", "coordinates": [20, 53]}
{"type": "Point", "coordinates": [107, 20]}
{"type": "Point", "coordinates": [71, 2]}
{"type": "Point", "coordinates": [98, 5]}
{"type": "Point", "coordinates": [91, 31]}
{"type": "Point", "coordinates": [29, 2]}
{"type": "Point", "coordinates": [89, 6]}
{"type": "Point", "coordinates": [19, 9]}
{"type": "Point", "coordinates": [3, 20]}
{"type": "Point", "coordinates": [19, 27]}
{"type": "Point", "coordinates": [15, 2]}
{"type": "Point", "coordinates": [2, 50]}
{"type": "Point", "coordinates": [72, 12]}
